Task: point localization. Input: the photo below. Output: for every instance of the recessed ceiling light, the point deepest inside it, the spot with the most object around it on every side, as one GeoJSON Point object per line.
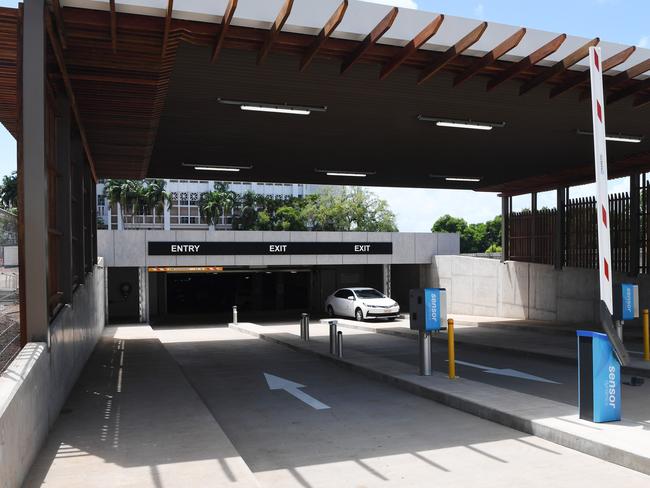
{"type": "Point", "coordinates": [278, 108]}
{"type": "Point", "coordinates": [462, 124]}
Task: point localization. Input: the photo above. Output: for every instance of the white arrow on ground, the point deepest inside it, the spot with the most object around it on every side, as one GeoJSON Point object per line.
{"type": "Point", "coordinates": [508, 372]}
{"type": "Point", "coordinates": [293, 388]}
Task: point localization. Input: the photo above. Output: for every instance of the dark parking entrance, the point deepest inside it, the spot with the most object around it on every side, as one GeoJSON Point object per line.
{"type": "Point", "coordinates": [216, 293]}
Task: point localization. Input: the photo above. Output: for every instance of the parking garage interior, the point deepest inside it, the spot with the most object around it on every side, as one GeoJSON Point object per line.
{"type": "Point", "coordinates": [209, 296]}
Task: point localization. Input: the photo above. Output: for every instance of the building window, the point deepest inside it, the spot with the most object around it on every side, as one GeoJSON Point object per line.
{"type": "Point", "coordinates": [185, 208]}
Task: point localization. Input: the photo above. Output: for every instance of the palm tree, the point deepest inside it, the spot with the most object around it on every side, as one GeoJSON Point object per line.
{"type": "Point", "coordinates": [211, 207]}
{"type": "Point", "coordinates": [155, 197]}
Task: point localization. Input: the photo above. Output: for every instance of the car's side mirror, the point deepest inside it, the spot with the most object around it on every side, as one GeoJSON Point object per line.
{"type": "Point", "coordinates": [350, 298]}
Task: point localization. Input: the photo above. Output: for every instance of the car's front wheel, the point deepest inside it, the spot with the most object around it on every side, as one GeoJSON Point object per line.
{"type": "Point", "coordinates": [358, 315]}
{"type": "Point", "coordinates": [330, 311]}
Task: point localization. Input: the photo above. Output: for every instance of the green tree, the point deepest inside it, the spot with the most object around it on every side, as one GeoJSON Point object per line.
{"type": "Point", "coordinates": [9, 191]}
{"type": "Point", "coordinates": [474, 238]}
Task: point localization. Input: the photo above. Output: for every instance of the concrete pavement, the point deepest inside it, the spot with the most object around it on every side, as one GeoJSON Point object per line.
{"type": "Point", "coordinates": [626, 443]}
{"type": "Point", "coordinates": [134, 421]}
{"type": "Point", "coordinates": [509, 336]}
{"type": "Point", "coordinates": [371, 435]}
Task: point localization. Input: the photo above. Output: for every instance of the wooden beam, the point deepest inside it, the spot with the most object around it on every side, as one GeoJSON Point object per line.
{"type": "Point", "coordinates": [629, 74]}
{"type": "Point", "coordinates": [583, 76]}
{"type": "Point", "coordinates": [413, 45]}
{"type": "Point", "coordinates": [280, 20]}
{"type": "Point", "coordinates": [452, 53]}
{"type": "Point", "coordinates": [168, 26]}
{"type": "Point", "coordinates": [60, 28]}
{"type": "Point", "coordinates": [113, 26]}
{"type": "Point", "coordinates": [509, 44]}
{"type": "Point", "coordinates": [324, 34]}
{"type": "Point", "coordinates": [527, 62]}
{"type": "Point", "coordinates": [560, 67]}
{"type": "Point", "coordinates": [58, 54]}
{"type": "Point", "coordinates": [223, 29]}
{"type": "Point", "coordinates": [371, 39]}
{"type": "Point", "coordinates": [637, 87]}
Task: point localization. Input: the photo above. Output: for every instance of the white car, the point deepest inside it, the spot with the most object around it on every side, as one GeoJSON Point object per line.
{"type": "Point", "coordinates": [361, 303]}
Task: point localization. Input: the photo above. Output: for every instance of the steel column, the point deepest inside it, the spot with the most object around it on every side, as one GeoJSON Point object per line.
{"type": "Point", "coordinates": [559, 227]}
{"type": "Point", "coordinates": [635, 224]}
{"type": "Point", "coordinates": [33, 174]}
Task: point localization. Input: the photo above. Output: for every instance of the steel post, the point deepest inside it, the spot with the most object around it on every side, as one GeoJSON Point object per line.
{"type": "Point", "coordinates": [305, 317]}
{"type": "Point", "coordinates": [234, 314]}
{"type": "Point", "coordinates": [425, 353]}
{"type": "Point", "coordinates": [333, 324]}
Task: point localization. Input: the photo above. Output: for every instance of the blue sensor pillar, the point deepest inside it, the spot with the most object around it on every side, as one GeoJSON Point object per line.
{"type": "Point", "coordinates": [599, 378]}
{"type": "Point", "coordinates": [428, 309]}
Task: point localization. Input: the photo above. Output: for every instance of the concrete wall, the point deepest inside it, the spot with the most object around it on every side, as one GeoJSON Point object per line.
{"type": "Point", "coordinates": [36, 384]}
{"type": "Point", "coordinates": [10, 256]}
{"type": "Point", "coordinates": [129, 247]}
{"type": "Point", "coordinates": [122, 309]}
{"type": "Point", "coordinates": [477, 286]}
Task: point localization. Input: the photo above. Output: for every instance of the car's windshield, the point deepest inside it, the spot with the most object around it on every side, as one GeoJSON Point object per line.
{"type": "Point", "coordinates": [369, 293]}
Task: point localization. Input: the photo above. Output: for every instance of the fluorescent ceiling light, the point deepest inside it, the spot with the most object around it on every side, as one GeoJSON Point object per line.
{"type": "Point", "coordinates": [211, 167]}
{"type": "Point", "coordinates": [278, 108]}
{"type": "Point", "coordinates": [462, 124]}
{"type": "Point", "coordinates": [460, 178]}
{"type": "Point", "coordinates": [352, 174]}
{"type": "Point", "coordinates": [614, 137]}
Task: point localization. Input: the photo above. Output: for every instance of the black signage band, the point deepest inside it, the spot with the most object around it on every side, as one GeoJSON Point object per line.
{"type": "Point", "coordinates": [267, 248]}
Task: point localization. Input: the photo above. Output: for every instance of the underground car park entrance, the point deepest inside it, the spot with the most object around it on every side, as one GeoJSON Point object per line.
{"type": "Point", "coordinates": [327, 92]}
{"type": "Point", "coordinates": [153, 276]}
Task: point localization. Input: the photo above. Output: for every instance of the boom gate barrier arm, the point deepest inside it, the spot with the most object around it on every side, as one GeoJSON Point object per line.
{"type": "Point", "coordinates": [605, 270]}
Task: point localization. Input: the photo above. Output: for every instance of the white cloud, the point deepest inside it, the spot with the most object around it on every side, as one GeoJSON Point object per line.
{"type": "Point", "coordinates": [397, 3]}
{"type": "Point", "coordinates": [644, 41]}
{"type": "Point", "coordinates": [417, 209]}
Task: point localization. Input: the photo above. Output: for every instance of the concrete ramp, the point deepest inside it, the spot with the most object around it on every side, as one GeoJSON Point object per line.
{"type": "Point", "coordinates": [134, 420]}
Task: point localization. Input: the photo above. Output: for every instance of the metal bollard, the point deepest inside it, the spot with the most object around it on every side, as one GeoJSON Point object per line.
{"type": "Point", "coordinates": [339, 344]}
{"type": "Point", "coordinates": [451, 349]}
{"type": "Point", "coordinates": [302, 328]}
{"type": "Point", "coordinates": [425, 353]}
{"type": "Point", "coordinates": [234, 314]}
{"type": "Point", "coordinates": [646, 336]}
{"type": "Point", "coordinates": [333, 324]}
{"type": "Point", "coordinates": [304, 321]}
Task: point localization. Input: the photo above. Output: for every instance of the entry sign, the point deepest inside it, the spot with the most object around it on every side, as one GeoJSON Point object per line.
{"type": "Point", "coordinates": [599, 378]}
{"type": "Point", "coordinates": [629, 301]}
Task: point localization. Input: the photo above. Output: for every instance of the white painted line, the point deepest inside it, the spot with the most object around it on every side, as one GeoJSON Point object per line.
{"type": "Point", "coordinates": [513, 373]}
{"type": "Point", "coordinates": [293, 388]}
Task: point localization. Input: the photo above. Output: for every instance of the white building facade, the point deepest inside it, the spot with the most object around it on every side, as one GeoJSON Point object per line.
{"type": "Point", "coordinates": [184, 212]}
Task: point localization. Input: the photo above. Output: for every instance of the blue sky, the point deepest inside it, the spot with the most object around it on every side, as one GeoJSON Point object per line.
{"type": "Point", "coordinates": [623, 21]}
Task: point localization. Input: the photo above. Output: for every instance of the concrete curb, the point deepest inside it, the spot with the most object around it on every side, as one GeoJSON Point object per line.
{"type": "Point", "coordinates": [629, 370]}
{"type": "Point", "coordinates": [543, 418]}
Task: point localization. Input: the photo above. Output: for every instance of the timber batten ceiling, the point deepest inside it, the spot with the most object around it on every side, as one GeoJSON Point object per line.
{"type": "Point", "coordinates": [129, 84]}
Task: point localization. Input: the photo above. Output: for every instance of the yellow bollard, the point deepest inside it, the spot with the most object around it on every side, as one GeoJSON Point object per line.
{"type": "Point", "coordinates": [646, 336]}
{"type": "Point", "coordinates": [452, 351]}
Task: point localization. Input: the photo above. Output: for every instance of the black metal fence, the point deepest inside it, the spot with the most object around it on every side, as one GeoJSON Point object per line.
{"type": "Point", "coordinates": [532, 236]}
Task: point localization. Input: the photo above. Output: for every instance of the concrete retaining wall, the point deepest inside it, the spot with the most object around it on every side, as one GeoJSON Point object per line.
{"type": "Point", "coordinates": [478, 286]}
{"type": "Point", "coordinates": [129, 247]}
{"type": "Point", "coordinates": [36, 384]}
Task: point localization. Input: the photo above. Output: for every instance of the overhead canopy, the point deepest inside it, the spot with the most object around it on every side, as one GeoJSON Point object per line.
{"type": "Point", "coordinates": [150, 77]}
